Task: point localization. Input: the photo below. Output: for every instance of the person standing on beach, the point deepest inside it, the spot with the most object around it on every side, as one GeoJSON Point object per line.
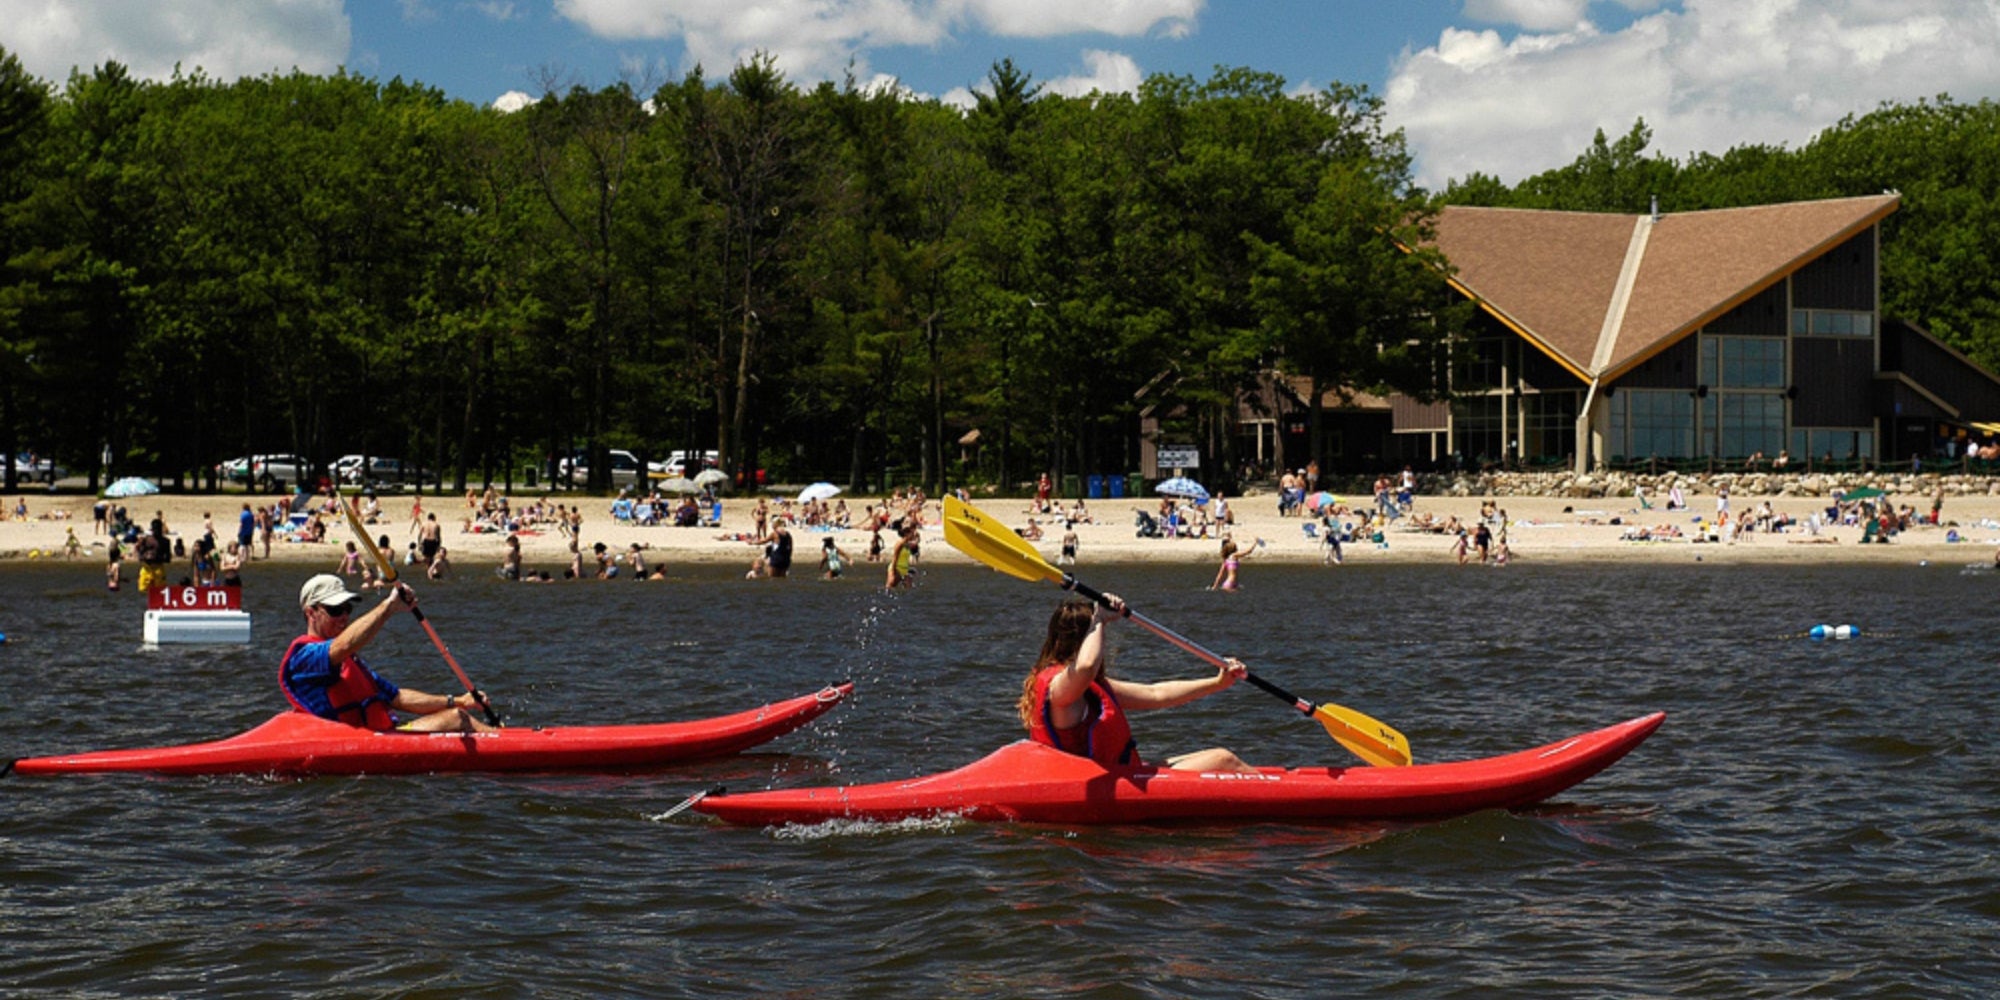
{"type": "Point", "coordinates": [1069, 540]}
{"type": "Point", "coordinates": [431, 539]}
{"type": "Point", "coordinates": [264, 521]}
{"type": "Point", "coordinates": [114, 565]}
{"type": "Point", "coordinates": [902, 558]}
{"type": "Point", "coordinates": [246, 528]}
{"type": "Point", "coordinates": [1460, 547]}
{"type": "Point", "coordinates": [1482, 539]}
{"type": "Point", "coordinates": [154, 552]}
{"type": "Point", "coordinates": [510, 564]}
{"type": "Point", "coordinates": [1225, 574]}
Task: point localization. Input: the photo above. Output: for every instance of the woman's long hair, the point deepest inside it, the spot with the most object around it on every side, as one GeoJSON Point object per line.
{"type": "Point", "coordinates": [1069, 624]}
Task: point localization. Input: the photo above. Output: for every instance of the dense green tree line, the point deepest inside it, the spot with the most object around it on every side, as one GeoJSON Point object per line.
{"type": "Point", "coordinates": [828, 282]}
{"type": "Point", "coordinates": [1941, 250]}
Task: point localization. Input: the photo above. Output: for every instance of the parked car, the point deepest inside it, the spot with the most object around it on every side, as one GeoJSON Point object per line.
{"type": "Point", "coordinates": [380, 471]}
{"type": "Point", "coordinates": [269, 470]}
{"type": "Point", "coordinates": [37, 469]}
{"type": "Point", "coordinates": [235, 470]}
{"type": "Point", "coordinates": [624, 468]}
{"type": "Point", "coordinates": [682, 463]}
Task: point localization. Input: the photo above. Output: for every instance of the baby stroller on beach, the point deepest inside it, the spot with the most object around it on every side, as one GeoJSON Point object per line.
{"type": "Point", "coordinates": [1148, 528]}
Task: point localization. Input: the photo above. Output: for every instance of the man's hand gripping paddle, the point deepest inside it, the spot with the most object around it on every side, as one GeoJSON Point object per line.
{"type": "Point", "coordinates": [992, 543]}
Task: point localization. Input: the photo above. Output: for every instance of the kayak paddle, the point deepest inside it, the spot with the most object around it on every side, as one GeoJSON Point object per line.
{"type": "Point", "coordinates": [388, 568]}
{"type": "Point", "coordinates": [996, 545]}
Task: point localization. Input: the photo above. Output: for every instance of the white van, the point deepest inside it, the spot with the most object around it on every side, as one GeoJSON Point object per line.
{"type": "Point", "coordinates": [687, 463]}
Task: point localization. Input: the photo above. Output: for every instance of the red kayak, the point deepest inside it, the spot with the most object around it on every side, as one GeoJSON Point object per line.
{"type": "Point", "coordinates": [1030, 782]}
{"type": "Point", "coordinates": [295, 743]}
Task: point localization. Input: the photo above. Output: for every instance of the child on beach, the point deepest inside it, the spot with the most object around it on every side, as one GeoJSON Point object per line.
{"type": "Point", "coordinates": [1225, 575]}
{"type": "Point", "coordinates": [832, 561]}
{"type": "Point", "coordinates": [350, 562]}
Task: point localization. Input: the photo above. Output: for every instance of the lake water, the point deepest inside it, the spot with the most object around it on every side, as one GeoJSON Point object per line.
{"type": "Point", "coordinates": [1815, 818]}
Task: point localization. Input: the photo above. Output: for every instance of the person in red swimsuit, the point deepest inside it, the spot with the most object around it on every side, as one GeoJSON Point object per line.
{"type": "Point", "coordinates": [1071, 702]}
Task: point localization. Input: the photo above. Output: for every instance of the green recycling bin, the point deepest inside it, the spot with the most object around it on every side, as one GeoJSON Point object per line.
{"type": "Point", "coordinates": [1072, 486]}
{"type": "Point", "coordinates": [1135, 484]}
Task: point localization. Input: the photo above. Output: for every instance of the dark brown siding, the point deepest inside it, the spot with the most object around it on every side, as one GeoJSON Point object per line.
{"type": "Point", "coordinates": [1833, 375]}
{"type": "Point", "coordinates": [1764, 315]}
{"type": "Point", "coordinates": [1673, 368]}
{"type": "Point", "coordinates": [1938, 370]}
{"type": "Point", "coordinates": [1842, 278]}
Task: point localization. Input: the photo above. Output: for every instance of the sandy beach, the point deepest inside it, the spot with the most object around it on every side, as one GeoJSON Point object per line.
{"type": "Point", "coordinates": [1539, 530]}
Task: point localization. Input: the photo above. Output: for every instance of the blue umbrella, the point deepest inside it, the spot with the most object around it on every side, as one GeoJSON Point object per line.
{"type": "Point", "coordinates": [131, 486]}
{"type": "Point", "coordinates": [1182, 486]}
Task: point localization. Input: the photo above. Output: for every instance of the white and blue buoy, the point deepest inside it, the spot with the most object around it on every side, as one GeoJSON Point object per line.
{"type": "Point", "coordinates": [1834, 632]}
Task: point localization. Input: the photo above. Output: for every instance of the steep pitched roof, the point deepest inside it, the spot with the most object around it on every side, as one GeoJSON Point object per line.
{"type": "Point", "coordinates": [1601, 293]}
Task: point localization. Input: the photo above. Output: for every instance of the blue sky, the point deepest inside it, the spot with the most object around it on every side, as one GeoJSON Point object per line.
{"type": "Point", "coordinates": [1506, 87]}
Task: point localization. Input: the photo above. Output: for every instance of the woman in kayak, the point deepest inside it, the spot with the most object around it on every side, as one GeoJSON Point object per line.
{"type": "Point", "coordinates": [322, 672]}
{"type": "Point", "coordinates": [1071, 702]}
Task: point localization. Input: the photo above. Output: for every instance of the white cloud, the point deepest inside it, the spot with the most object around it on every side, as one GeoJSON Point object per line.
{"type": "Point", "coordinates": [1712, 75]}
{"type": "Point", "coordinates": [817, 39]}
{"type": "Point", "coordinates": [225, 38]}
{"type": "Point", "coordinates": [512, 101]}
{"type": "Point", "coordinates": [1108, 72]}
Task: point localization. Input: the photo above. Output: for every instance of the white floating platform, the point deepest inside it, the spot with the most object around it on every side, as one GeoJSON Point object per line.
{"type": "Point", "coordinates": [213, 627]}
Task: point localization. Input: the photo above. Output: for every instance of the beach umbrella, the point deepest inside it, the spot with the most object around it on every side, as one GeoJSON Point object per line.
{"type": "Point", "coordinates": [678, 484]}
{"type": "Point", "coordinates": [819, 491]}
{"type": "Point", "coordinates": [712, 477]}
{"type": "Point", "coordinates": [131, 486]}
{"type": "Point", "coordinates": [1182, 486]}
{"type": "Point", "coordinates": [1864, 493]}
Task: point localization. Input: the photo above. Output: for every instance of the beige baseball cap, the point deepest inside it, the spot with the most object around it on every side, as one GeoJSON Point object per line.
{"type": "Point", "coordinates": [324, 589]}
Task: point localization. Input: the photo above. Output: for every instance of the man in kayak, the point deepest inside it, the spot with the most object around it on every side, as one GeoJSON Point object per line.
{"type": "Point", "coordinates": [1071, 702]}
{"type": "Point", "coordinates": [322, 671]}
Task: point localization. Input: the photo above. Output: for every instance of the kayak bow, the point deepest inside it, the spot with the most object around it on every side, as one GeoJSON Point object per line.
{"type": "Point", "coordinates": [295, 743]}
{"type": "Point", "coordinates": [1029, 782]}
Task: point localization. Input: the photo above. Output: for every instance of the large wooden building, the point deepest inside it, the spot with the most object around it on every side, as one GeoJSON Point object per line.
{"type": "Point", "coordinates": [1687, 339]}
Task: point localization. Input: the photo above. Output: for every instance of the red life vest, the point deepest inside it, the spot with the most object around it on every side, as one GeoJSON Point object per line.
{"type": "Point", "coordinates": [355, 698]}
{"type": "Point", "coordinates": [1104, 735]}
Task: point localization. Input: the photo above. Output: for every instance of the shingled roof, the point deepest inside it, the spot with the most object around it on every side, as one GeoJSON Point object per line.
{"type": "Point", "coordinates": [1600, 293]}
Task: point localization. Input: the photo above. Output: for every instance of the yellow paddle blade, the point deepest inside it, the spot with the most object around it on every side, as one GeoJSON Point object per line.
{"type": "Point", "coordinates": [987, 540]}
{"type": "Point", "coordinates": [1372, 741]}
{"type": "Point", "coordinates": [385, 564]}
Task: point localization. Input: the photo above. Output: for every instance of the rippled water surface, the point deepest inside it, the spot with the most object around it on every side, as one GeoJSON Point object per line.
{"type": "Point", "coordinates": [1815, 818]}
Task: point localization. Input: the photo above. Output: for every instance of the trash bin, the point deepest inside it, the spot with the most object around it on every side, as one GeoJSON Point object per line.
{"type": "Point", "coordinates": [1117, 484]}
{"type": "Point", "coordinates": [1096, 487]}
{"type": "Point", "coordinates": [1072, 488]}
{"type": "Point", "coordinates": [1135, 484]}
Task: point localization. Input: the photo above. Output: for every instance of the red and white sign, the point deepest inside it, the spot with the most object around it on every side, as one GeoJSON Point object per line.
{"type": "Point", "coordinates": [195, 599]}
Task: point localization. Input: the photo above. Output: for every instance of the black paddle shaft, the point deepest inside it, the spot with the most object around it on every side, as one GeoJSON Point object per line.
{"type": "Point", "coordinates": [492, 717]}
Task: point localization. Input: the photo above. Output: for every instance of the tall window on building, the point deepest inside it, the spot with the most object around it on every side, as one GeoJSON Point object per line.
{"type": "Point", "coordinates": [1746, 423]}
{"type": "Point", "coordinates": [1549, 425]}
{"type": "Point", "coordinates": [1476, 424]}
{"type": "Point", "coordinates": [1652, 423]}
{"type": "Point", "coordinates": [1744, 410]}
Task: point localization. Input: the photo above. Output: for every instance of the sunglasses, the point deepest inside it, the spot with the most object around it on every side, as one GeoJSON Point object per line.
{"type": "Point", "coordinates": [337, 610]}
